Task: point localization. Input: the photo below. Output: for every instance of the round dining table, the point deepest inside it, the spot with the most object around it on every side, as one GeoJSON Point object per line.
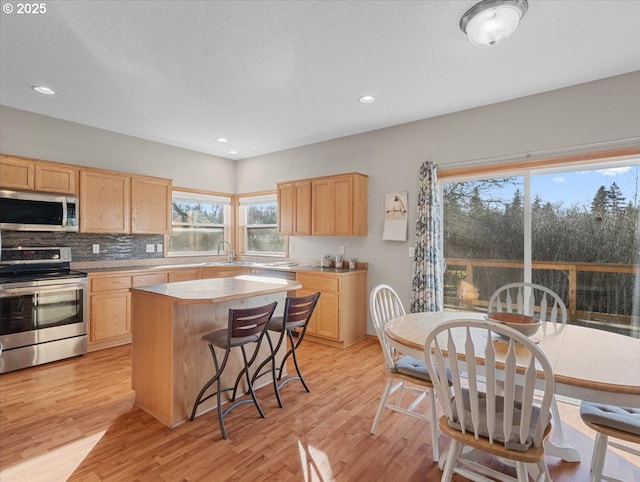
{"type": "Point", "coordinates": [588, 364]}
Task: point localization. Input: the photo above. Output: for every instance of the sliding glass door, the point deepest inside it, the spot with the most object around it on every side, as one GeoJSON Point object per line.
{"type": "Point", "coordinates": [573, 230]}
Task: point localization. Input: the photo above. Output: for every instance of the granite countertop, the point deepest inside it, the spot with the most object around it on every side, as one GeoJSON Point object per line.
{"type": "Point", "coordinates": [218, 290]}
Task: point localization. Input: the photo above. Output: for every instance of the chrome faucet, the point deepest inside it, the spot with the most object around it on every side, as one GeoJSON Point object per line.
{"type": "Point", "coordinates": [231, 256]}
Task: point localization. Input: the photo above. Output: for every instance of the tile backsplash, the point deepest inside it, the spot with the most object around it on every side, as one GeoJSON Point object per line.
{"type": "Point", "coordinates": [112, 246]}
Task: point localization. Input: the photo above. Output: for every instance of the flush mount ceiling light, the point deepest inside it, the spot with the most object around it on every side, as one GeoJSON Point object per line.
{"type": "Point", "coordinates": [366, 99]}
{"type": "Point", "coordinates": [222, 139]}
{"type": "Point", "coordinates": [41, 89]}
{"type": "Point", "coordinates": [491, 22]}
{"type": "Point", "coordinates": [233, 152]}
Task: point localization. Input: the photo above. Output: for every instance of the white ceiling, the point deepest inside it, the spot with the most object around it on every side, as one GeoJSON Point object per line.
{"type": "Point", "coordinates": [271, 75]}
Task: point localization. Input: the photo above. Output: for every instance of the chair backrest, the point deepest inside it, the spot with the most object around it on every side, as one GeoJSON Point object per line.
{"type": "Point", "coordinates": [484, 375]}
{"type": "Point", "coordinates": [529, 299]}
{"type": "Point", "coordinates": [298, 310]}
{"type": "Point", "coordinates": [245, 322]}
{"type": "Point", "coordinates": [385, 304]}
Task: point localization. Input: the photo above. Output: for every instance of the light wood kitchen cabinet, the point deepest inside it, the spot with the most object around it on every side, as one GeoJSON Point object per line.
{"type": "Point", "coordinates": [340, 317]}
{"type": "Point", "coordinates": [150, 205]}
{"type": "Point", "coordinates": [104, 202]}
{"type": "Point", "coordinates": [109, 310]}
{"type": "Point", "coordinates": [294, 208]}
{"type": "Point", "coordinates": [148, 279]}
{"type": "Point", "coordinates": [339, 205]}
{"type": "Point", "coordinates": [17, 173]}
{"type": "Point", "coordinates": [112, 202]}
{"type": "Point", "coordinates": [184, 274]}
{"type": "Point", "coordinates": [221, 272]}
{"type": "Point", "coordinates": [51, 177]}
{"type": "Point", "coordinates": [34, 175]}
{"type": "Point", "coordinates": [110, 305]}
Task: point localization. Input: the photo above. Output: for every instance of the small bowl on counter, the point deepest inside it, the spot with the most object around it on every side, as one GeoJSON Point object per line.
{"type": "Point", "coordinates": [527, 325]}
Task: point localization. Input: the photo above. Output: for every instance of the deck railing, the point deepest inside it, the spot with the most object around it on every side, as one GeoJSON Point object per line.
{"type": "Point", "coordinates": [595, 294]}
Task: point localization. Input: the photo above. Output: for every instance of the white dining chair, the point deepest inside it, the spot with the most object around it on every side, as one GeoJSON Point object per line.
{"type": "Point", "coordinates": [486, 390]}
{"type": "Point", "coordinates": [529, 299]}
{"type": "Point", "coordinates": [536, 300]}
{"type": "Point", "coordinates": [610, 422]}
{"type": "Point", "coordinates": [405, 374]}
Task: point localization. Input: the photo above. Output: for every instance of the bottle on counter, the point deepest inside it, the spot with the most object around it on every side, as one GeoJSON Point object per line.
{"type": "Point", "coordinates": [339, 261]}
{"type": "Point", "coordinates": [352, 263]}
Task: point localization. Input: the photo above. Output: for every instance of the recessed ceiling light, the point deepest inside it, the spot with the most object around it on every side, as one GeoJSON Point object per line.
{"type": "Point", "coordinates": [366, 99]}
{"type": "Point", "coordinates": [222, 139]}
{"type": "Point", "coordinates": [233, 152]}
{"type": "Point", "coordinates": [41, 89]}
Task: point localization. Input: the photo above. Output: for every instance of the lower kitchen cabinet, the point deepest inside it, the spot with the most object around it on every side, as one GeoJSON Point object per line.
{"type": "Point", "coordinates": [183, 274]}
{"type": "Point", "coordinates": [110, 306]}
{"type": "Point", "coordinates": [221, 272]}
{"type": "Point", "coordinates": [340, 317]}
{"type": "Point", "coordinates": [109, 311]}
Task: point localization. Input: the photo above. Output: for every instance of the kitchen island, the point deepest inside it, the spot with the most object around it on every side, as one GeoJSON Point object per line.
{"type": "Point", "coordinates": [170, 362]}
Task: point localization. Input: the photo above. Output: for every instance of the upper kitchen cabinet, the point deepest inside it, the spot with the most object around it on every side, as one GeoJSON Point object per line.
{"type": "Point", "coordinates": [104, 202]}
{"type": "Point", "coordinates": [31, 174]}
{"type": "Point", "coordinates": [294, 208]}
{"type": "Point", "coordinates": [113, 202]}
{"type": "Point", "coordinates": [150, 205]}
{"type": "Point", "coordinates": [339, 205]}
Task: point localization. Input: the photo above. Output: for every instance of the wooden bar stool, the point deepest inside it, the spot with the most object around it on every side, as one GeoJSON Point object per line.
{"type": "Point", "coordinates": [294, 322]}
{"type": "Point", "coordinates": [245, 326]}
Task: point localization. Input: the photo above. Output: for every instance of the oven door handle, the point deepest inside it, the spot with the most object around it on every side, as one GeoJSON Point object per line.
{"type": "Point", "coordinates": [34, 290]}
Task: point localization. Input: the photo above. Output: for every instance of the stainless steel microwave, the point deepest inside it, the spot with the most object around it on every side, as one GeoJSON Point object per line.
{"type": "Point", "coordinates": [32, 211]}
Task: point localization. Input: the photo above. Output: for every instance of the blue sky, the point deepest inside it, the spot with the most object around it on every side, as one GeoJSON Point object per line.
{"type": "Point", "coordinates": [580, 187]}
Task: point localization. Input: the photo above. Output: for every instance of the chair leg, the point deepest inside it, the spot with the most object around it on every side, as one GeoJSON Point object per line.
{"type": "Point", "coordinates": [521, 472]}
{"type": "Point", "coordinates": [292, 352]}
{"type": "Point", "coordinates": [434, 425]}
{"type": "Point", "coordinates": [543, 471]}
{"type": "Point", "coordinates": [206, 386]}
{"type": "Point", "coordinates": [250, 384]}
{"type": "Point", "coordinates": [273, 367]}
{"type": "Point", "coordinates": [383, 402]}
{"type": "Point", "coordinates": [455, 449]}
{"type": "Point", "coordinates": [599, 455]}
{"type": "Point", "coordinates": [272, 359]}
{"type": "Point", "coordinates": [555, 415]}
{"type": "Point", "coordinates": [258, 372]}
{"type": "Point", "coordinates": [221, 414]}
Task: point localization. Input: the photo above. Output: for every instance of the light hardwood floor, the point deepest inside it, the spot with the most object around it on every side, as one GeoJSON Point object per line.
{"type": "Point", "coordinates": [75, 420]}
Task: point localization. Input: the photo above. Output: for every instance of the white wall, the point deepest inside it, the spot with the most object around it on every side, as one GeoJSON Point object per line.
{"type": "Point", "coordinates": [596, 112]}
{"type": "Point", "coordinates": [42, 137]}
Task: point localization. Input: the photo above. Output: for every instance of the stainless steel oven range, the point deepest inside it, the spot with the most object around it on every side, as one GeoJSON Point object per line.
{"type": "Point", "coordinates": [43, 306]}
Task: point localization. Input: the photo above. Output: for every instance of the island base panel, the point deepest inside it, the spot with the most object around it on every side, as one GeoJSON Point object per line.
{"type": "Point", "coordinates": [170, 361]}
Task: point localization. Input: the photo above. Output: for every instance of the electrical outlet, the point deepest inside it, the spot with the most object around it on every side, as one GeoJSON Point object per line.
{"type": "Point", "coordinates": [341, 249]}
{"type": "Point", "coordinates": [150, 248]}
{"type": "Point", "coordinates": [159, 248]}
{"type": "Point", "coordinates": [96, 249]}
{"type": "Point", "coordinates": [412, 251]}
